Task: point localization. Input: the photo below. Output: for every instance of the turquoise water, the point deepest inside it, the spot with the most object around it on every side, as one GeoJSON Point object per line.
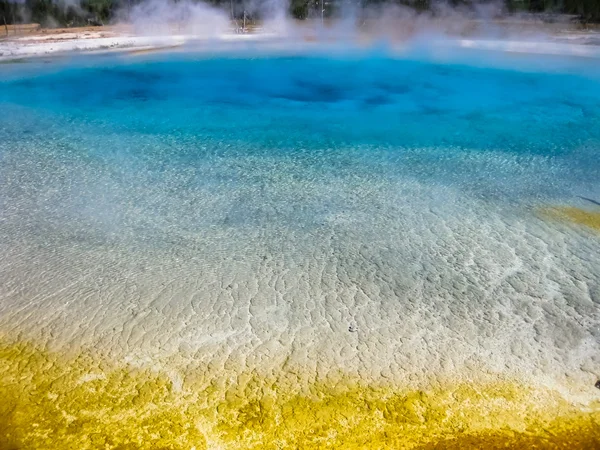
{"type": "Point", "coordinates": [527, 135]}
{"type": "Point", "coordinates": [356, 191]}
{"type": "Point", "coordinates": [360, 108]}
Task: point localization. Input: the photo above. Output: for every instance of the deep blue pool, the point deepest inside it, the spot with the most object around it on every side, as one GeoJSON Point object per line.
{"type": "Point", "coordinates": [361, 109]}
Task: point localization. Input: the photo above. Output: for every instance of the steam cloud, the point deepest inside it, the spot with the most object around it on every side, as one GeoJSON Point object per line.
{"type": "Point", "coordinates": [184, 17]}
{"type": "Point", "coordinates": [345, 19]}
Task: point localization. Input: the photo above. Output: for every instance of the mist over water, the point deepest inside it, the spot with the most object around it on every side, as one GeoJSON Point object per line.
{"type": "Point", "coordinates": [158, 17]}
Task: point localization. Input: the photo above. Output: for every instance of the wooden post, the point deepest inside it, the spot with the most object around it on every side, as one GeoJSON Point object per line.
{"type": "Point", "coordinates": [5, 26]}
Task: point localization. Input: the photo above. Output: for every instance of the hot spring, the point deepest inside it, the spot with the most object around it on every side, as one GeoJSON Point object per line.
{"type": "Point", "coordinates": [300, 250]}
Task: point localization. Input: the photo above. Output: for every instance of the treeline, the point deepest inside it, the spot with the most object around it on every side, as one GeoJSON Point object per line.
{"type": "Point", "coordinates": [53, 13]}
{"type": "Point", "coordinates": [585, 10]}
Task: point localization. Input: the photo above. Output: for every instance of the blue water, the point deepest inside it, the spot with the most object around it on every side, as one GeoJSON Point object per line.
{"type": "Point", "coordinates": [356, 108]}
{"type": "Point", "coordinates": [304, 101]}
{"type": "Point", "coordinates": [168, 131]}
{"type": "Point", "coordinates": [525, 134]}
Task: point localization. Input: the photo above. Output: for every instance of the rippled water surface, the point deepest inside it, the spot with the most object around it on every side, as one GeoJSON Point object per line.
{"type": "Point", "coordinates": [389, 221]}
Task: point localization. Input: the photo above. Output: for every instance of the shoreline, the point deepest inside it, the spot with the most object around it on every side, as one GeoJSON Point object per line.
{"type": "Point", "coordinates": [123, 39]}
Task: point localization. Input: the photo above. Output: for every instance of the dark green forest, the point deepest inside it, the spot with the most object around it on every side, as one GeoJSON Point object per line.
{"type": "Point", "coordinates": [51, 13]}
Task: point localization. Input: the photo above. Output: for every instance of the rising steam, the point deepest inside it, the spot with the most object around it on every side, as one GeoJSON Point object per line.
{"type": "Point", "coordinates": [184, 17]}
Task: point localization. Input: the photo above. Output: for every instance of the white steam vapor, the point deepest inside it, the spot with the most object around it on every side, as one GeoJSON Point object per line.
{"type": "Point", "coordinates": [345, 20]}
{"type": "Point", "coordinates": [160, 17]}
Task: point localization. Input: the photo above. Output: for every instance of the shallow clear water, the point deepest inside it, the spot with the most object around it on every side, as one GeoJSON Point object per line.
{"type": "Point", "coordinates": [383, 217]}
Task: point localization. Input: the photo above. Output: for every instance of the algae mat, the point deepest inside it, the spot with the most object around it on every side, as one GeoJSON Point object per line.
{"type": "Point", "coordinates": [50, 402]}
{"type": "Point", "coordinates": [579, 216]}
